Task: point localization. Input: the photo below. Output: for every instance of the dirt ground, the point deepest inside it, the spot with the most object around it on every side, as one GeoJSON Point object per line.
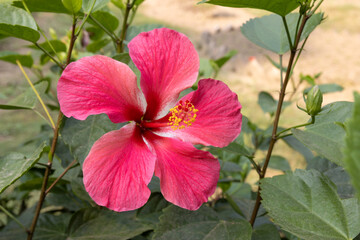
{"type": "Point", "coordinates": [333, 48]}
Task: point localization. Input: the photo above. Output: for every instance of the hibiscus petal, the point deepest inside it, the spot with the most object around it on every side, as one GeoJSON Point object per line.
{"type": "Point", "coordinates": [99, 84]}
{"type": "Point", "coordinates": [118, 169]}
{"type": "Point", "coordinates": [168, 63]}
{"type": "Point", "coordinates": [218, 121]}
{"type": "Point", "coordinates": [188, 176]}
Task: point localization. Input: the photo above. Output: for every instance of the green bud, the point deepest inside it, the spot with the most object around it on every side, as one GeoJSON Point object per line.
{"type": "Point", "coordinates": [314, 101]}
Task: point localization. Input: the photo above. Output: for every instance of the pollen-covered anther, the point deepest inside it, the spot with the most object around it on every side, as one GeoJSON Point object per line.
{"type": "Point", "coordinates": [182, 115]}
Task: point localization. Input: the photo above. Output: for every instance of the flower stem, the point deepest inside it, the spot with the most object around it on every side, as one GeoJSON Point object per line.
{"type": "Point", "coordinates": [297, 126]}
{"type": "Point", "coordinates": [53, 147]}
{"type": "Point", "coordinates": [37, 94]}
{"type": "Point", "coordinates": [287, 32]}
{"type": "Point", "coordinates": [13, 218]}
{"type": "Point", "coordinates": [58, 179]}
{"type": "Point", "coordinates": [277, 117]}
{"type": "Point", "coordinates": [120, 43]}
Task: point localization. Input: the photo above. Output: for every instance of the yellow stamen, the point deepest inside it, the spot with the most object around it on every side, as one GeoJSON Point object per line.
{"type": "Point", "coordinates": [182, 115]}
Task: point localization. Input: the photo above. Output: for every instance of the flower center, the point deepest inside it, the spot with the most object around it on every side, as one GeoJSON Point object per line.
{"type": "Point", "coordinates": [182, 115]}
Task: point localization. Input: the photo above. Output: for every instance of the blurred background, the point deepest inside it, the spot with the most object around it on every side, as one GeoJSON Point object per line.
{"type": "Point", "coordinates": [332, 50]}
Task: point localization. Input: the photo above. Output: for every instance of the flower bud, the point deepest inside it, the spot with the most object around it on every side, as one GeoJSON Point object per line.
{"type": "Point", "coordinates": [314, 101]}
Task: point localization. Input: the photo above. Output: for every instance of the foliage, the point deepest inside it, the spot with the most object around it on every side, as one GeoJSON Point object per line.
{"type": "Point", "coordinates": [319, 202]}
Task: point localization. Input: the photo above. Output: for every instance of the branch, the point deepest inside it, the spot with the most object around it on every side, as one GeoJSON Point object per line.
{"type": "Point", "coordinates": [277, 117]}
{"type": "Point", "coordinates": [120, 44]}
{"type": "Point", "coordinates": [53, 148]}
{"type": "Point", "coordinates": [58, 179]}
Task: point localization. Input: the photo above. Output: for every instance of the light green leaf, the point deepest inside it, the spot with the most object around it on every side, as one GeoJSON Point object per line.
{"type": "Point", "coordinates": [81, 135]}
{"type": "Point", "coordinates": [17, 23]}
{"type": "Point", "coordinates": [72, 5]}
{"type": "Point", "coordinates": [26, 100]}
{"type": "Point", "coordinates": [54, 6]}
{"type": "Point", "coordinates": [221, 61]}
{"type": "Point", "coordinates": [94, 223]}
{"type": "Point", "coordinates": [11, 57]}
{"type": "Point", "coordinates": [305, 203]}
{"type": "Point", "coordinates": [14, 165]}
{"type": "Point", "coordinates": [352, 145]}
{"type": "Point", "coordinates": [335, 112]}
{"type": "Point", "coordinates": [281, 7]}
{"type": "Point", "coordinates": [99, 4]}
{"type": "Point", "coordinates": [204, 224]}
{"type": "Point", "coordinates": [269, 32]}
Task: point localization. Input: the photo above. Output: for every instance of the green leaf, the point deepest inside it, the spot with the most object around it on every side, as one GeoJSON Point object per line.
{"type": "Point", "coordinates": [326, 136]}
{"type": "Point", "coordinates": [265, 232]}
{"type": "Point", "coordinates": [72, 5]}
{"type": "Point", "coordinates": [221, 61]}
{"type": "Point", "coordinates": [122, 57]}
{"type": "Point", "coordinates": [335, 173]}
{"type": "Point", "coordinates": [108, 20]}
{"type": "Point", "coordinates": [52, 227]}
{"type": "Point", "coordinates": [177, 223]}
{"type": "Point", "coordinates": [295, 144]}
{"type": "Point", "coordinates": [269, 32]}
{"type": "Point", "coordinates": [326, 139]}
{"type": "Point", "coordinates": [81, 135]}
{"type": "Point", "coordinates": [94, 223]}
{"type": "Point", "coordinates": [305, 203]}
{"type": "Point", "coordinates": [237, 148]}
{"type": "Point", "coordinates": [280, 163]}
{"type": "Point", "coordinates": [268, 104]}
{"type": "Point", "coordinates": [152, 210]}
{"type": "Point", "coordinates": [327, 88]}
{"type": "Point", "coordinates": [133, 31]}
{"type": "Point", "coordinates": [17, 23]}
{"type": "Point", "coordinates": [26, 100]}
{"type": "Point", "coordinates": [281, 7]}
{"type": "Point", "coordinates": [58, 46]}
{"type": "Point", "coordinates": [11, 57]}
{"type": "Point", "coordinates": [14, 165]}
{"type": "Point", "coordinates": [352, 145]}
{"type": "Point", "coordinates": [54, 6]}
{"type": "Point", "coordinates": [99, 4]}
{"type": "Point", "coordinates": [97, 45]}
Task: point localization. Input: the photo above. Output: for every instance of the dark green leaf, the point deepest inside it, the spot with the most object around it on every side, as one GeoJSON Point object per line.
{"type": "Point", "coordinates": [77, 186]}
{"type": "Point", "coordinates": [81, 135]}
{"type": "Point", "coordinates": [229, 166]}
{"type": "Point", "coordinates": [265, 232]}
{"type": "Point", "coordinates": [305, 203]}
{"type": "Point", "coordinates": [281, 7]}
{"type": "Point", "coordinates": [237, 148]}
{"type": "Point", "coordinates": [58, 46]}
{"type": "Point", "coordinates": [55, 6]}
{"type": "Point", "coordinates": [72, 5]}
{"type": "Point", "coordinates": [269, 32]}
{"type": "Point", "coordinates": [14, 165]}
{"type": "Point", "coordinates": [326, 139]}
{"type": "Point", "coordinates": [26, 100]}
{"type": "Point", "coordinates": [17, 23]}
{"type": "Point", "coordinates": [280, 163]}
{"type": "Point", "coordinates": [122, 57]}
{"type": "Point", "coordinates": [97, 45]}
{"type": "Point", "coordinates": [177, 223]}
{"type": "Point", "coordinates": [25, 60]}
{"type": "Point", "coordinates": [327, 88]}
{"type": "Point", "coordinates": [335, 173]}
{"type": "Point", "coordinates": [108, 20]}
{"type": "Point", "coordinates": [152, 210]}
{"type": "Point", "coordinates": [94, 223]}
{"type": "Point", "coordinates": [268, 104]}
{"type": "Point", "coordinates": [99, 4]}
{"type": "Point", "coordinates": [352, 146]}
{"type": "Point", "coordinates": [221, 61]}
{"type": "Point", "coordinates": [295, 144]}
{"type": "Point", "coordinates": [52, 227]}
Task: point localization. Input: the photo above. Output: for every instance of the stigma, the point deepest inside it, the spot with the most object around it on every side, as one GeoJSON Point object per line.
{"type": "Point", "coordinates": [182, 115]}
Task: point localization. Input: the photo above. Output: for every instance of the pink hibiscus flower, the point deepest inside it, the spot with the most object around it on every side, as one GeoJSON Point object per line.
{"type": "Point", "coordinates": [162, 131]}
